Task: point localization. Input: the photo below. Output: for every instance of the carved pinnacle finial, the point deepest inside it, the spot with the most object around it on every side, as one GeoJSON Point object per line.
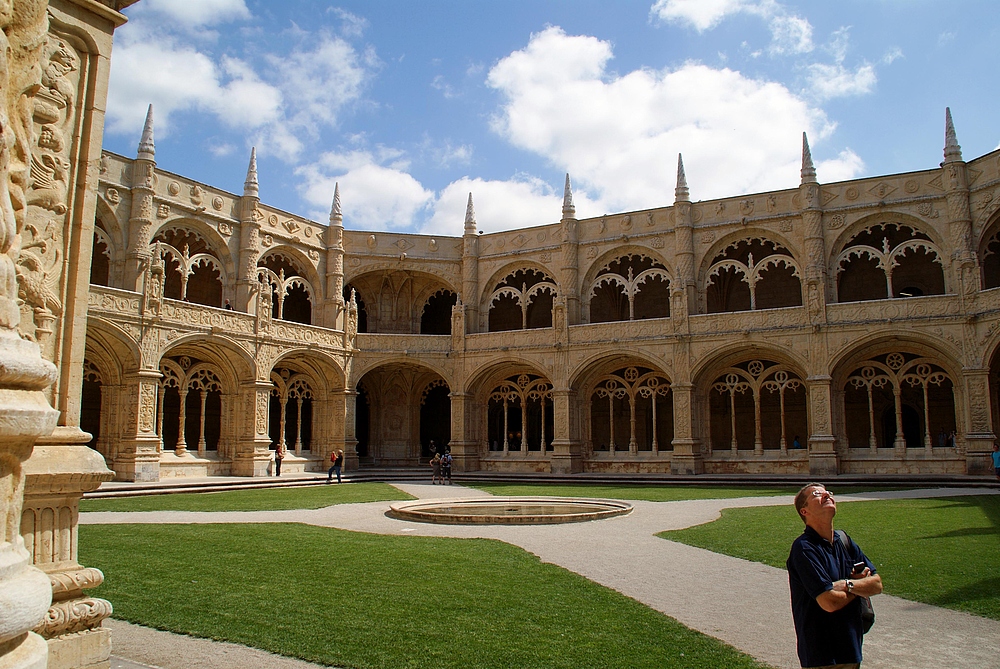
{"type": "Point", "coordinates": [250, 186]}
{"type": "Point", "coordinates": [336, 214]}
{"type": "Point", "coordinates": [952, 151]}
{"type": "Point", "coordinates": [147, 150]}
{"type": "Point", "coordinates": [569, 209]}
{"type": "Point", "coordinates": [470, 217]}
{"type": "Point", "coordinates": [808, 169]}
{"type": "Point", "coordinates": [681, 192]}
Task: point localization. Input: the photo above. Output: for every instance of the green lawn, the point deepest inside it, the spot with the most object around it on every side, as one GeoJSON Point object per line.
{"type": "Point", "coordinates": [943, 551]}
{"type": "Point", "coordinates": [646, 493]}
{"type": "Point", "coordinates": [266, 499]}
{"type": "Point", "coordinates": [360, 600]}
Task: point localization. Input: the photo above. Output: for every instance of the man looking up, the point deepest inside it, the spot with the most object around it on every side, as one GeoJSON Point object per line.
{"type": "Point", "coordinates": [826, 578]}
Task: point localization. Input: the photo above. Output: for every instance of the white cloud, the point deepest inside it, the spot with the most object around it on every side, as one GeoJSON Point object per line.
{"type": "Point", "coordinates": [847, 165]}
{"type": "Point", "coordinates": [701, 14]}
{"type": "Point", "coordinates": [835, 81]}
{"type": "Point", "coordinates": [440, 84]}
{"type": "Point", "coordinates": [892, 55]}
{"type": "Point", "coordinates": [196, 13]}
{"type": "Point", "coordinates": [790, 34]}
{"type": "Point", "coordinates": [297, 95]}
{"type": "Point", "coordinates": [619, 135]}
{"type": "Point", "coordinates": [828, 81]}
{"type": "Point", "coordinates": [176, 77]}
{"type": "Point", "coordinates": [377, 194]}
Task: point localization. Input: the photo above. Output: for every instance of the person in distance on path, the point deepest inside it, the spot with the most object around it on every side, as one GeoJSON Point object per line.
{"type": "Point", "coordinates": [826, 584]}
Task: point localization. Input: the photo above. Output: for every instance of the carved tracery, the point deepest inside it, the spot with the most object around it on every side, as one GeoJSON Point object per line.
{"type": "Point", "coordinates": [889, 260]}
{"type": "Point", "coordinates": [760, 403]}
{"type": "Point", "coordinates": [291, 293]}
{"type": "Point", "coordinates": [751, 274]}
{"type": "Point", "coordinates": [520, 414]}
{"type": "Point", "coordinates": [190, 393]}
{"type": "Point", "coordinates": [523, 300]}
{"type": "Point", "coordinates": [194, 272]}
{"type": "Point", "coordinates": [630, 287]}
{"type": "Point", "coordinates": [291, 411]}
{"type": "Point", "coordinates": [632, 401]}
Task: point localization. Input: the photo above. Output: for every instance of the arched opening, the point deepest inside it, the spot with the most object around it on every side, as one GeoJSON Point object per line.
{"type": "Point", "coordinates": [297, 305]}
{"type": "Point", "coordinates": [191, 415]}
{"type": "Point", "coordinates": [90, 403]}
{"type": "Point", "coordinates": [435, 419]}
{"type": "Point", "coordinates": [757, 405]}
{"type": "Point", "coordinates": [291, 293]}
{"type": "Point", "coordinates": [436, 316]}
{"type": "Point", "coordinates": [631, 411]}
{"type": "Point", "coordinates": [631, 287]}
{"type": "Point", "coordinates": [750, 274]}
{"type": "Point", "coordinates": [523, 300]}
{"type": "Point", "coordinates": [362, 421]}
{"type": "Point", "coordinates": [519, 415]}
{"type": "Point", "coordinates": [192, 270]}
{"type": "Point", "coordinates": [100, 261]}
{"type": "Point", "coordinates": [889, 259]}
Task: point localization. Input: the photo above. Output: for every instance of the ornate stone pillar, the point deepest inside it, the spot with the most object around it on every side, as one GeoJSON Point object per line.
{"type": "Point", "coordinates": [684, 253]}
{"type": "Point", "coordinates": [978, 434]}
{"type": "Point", "coordinates": [141, 217]}
{"type": "Point", "coordinates": [687, 458]}
{"type": "Point", "coordinates": [815, 245]}
{"type": "Point", "coordinates": [252, 453]}
{"type": "Point", "coordinates": [567, 452]}
{"type": "Point", "coordinates": [463, 444]}
{"type": "Point", "coordinates": [60, 470]}
{"type": "Point", "coordinates": [822, 451]}
{"type": "Point", "coordinates": [470, 271]}
{"type": "Point", "coordinates": [138, 457]}
{"type": "Point", "coordinates": [335, 265]}
{"type": "Point", "coordinates": [570, 251]}
{"type": "Point", "coordinates": [955, 177]}
{"type": "Point", "coordinates": [246, 282]}
{"type": "Point", "coordinates": [350, 438]}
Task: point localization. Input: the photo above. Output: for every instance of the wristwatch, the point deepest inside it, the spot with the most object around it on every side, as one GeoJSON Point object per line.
{"type": "Point", "coordinates": [850, 586]}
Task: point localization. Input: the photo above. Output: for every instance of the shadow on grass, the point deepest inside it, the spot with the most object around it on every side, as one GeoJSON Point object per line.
{"type": "Point", "coordinates": [982, 590]}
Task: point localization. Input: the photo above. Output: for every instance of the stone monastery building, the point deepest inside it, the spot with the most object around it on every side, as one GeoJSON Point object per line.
{"type": "Point", "coordinates": [848, 327]}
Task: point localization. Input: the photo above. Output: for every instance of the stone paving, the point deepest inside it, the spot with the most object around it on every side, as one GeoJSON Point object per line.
{"type": "Point", "coordinates": [743, 603]}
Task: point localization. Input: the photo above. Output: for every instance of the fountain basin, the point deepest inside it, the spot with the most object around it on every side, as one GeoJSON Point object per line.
{"type": "Point", "coordinates": [508, 510]}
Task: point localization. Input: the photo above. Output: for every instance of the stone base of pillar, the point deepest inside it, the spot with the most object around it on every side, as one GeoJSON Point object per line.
{"type": "Point", "coordinates": [687, 464]}
{"type": "Point", "coordinates": [823, 464]}
{"type": "Point", "coordinates": [978, 454]}
{"type": "Point", "coordinates": [28, 652]}
{"type": "Point", "coordinates": [84, 650]}
{"type": "Point", "coordinates": [566, 463]}
{"type": "Point", "coordinates": [465, 456]}
{"type": "Point", "coordinates": [252, 464]}
{"type": "Point", "coordinates": [142, 469]}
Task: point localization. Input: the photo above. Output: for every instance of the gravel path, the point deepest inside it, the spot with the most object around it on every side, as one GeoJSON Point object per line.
{"type": "Point", "coordinates": [742, 603]}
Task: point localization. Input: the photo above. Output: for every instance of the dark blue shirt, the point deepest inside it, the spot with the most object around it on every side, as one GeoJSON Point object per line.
{"type": "Point", "coordinates": [813, 565]}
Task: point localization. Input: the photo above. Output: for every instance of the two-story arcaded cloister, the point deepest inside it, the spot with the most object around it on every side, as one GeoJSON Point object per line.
{"type": "Point", "coordinates": [849, 327]}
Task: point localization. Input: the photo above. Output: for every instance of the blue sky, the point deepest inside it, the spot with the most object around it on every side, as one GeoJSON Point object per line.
{"type": "Point", "coordinates": [412, 105]}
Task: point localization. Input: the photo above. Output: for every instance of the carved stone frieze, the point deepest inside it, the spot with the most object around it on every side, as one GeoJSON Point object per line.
{"type": "Point", "coordinates": [74, 615]}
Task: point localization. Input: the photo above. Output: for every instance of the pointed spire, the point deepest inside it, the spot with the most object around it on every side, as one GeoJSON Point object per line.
{"type": "Point", "coordinates": [681, 193]}
{"type": "Point", "coordinates": [250, 186]}
{"type": "Point", "coordinates": [569, 210]}
{"type": "Point", "coordinates": [808, 169]}
{"type": "Point", "coordinates": [952, 151]}
{"type": "Point", "coordinates": [336, 214]}
{"type": "Point", "coordinates": [470, 217]}
{"type": "Point", "coordinates": [147, 150]}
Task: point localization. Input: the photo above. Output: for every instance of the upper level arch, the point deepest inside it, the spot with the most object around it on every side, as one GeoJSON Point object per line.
{"type": "Point", "coordinates": [628, 286]}
{"type": "Point", "coordinates": [989, 254]}
{"type": "Point", "coordinates": [197, 266]}
{"type": "Point", "coordinates": [887, 256]}
{"type": "Point", "coordinates": [293, 282]}
{"type": "Point", "coordinates": [520, 299]}
{"type": "Point", "coordinates": [749, 272]}
{"type": "Point", "coordinates": [394, 301]}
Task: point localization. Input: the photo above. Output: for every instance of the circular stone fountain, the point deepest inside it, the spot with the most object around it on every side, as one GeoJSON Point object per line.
{"type": "Point", "coordinates": [508, 510]}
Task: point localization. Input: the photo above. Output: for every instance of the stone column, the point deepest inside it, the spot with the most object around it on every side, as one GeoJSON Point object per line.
{"type": "Point", "coordinates": [350, 438]}
{"type": "Point", "coordinates": [567, 452]}
{"type": "Point", "coordinates": [60, 470]}
{"type": "Point", "coordinates": [138, 457]}
{"type": "Point", "coordinates": [822, 451]}
{"type": "Point", "coordinates": [252, 453]}
{"type": "Point", "coordinates": [470, 271]}
{"type": "Point", "coordinates": [334, 299]}
{"type": "Point", "coordinates": [687, 458]}
{"type": "Point", "coordinates": [955, 178]}
{"type": "Point", "coordinates": [815, 244]}
{"type": "Point", "coordinates": [463, 444]}
{"type": "Point", "coordinates": [978, 434]}
{"type": "Point", "coordinates": [570, 252]}
{"type": "Point", "coordinates": [141, 217]}
{"type": "Point", "coordinates": [684, 250]}
{"type": "Point", "coordinates": [246, 280]}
